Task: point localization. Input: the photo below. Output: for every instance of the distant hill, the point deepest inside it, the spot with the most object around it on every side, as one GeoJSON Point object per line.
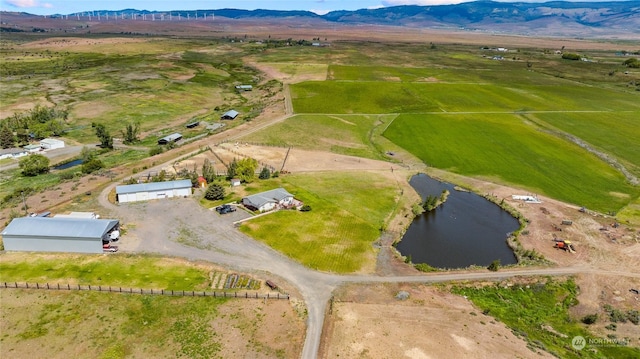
{"type": "Point", "coordinates": [557, 18]}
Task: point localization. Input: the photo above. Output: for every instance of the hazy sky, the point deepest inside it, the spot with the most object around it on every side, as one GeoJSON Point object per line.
{"type": "Point", "coordinates": [48, 7]}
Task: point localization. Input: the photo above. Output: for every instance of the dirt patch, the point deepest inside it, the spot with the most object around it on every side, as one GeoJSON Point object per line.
{"type": "Point", "coordinates": [369, 321]}
{"type": "Point", "coordinates": [77, 43]}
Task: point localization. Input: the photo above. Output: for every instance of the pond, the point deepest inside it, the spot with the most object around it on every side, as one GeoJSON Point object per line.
{"type": "Point", "coordinates": [64, 166]}
{"type": "Point", "coordinates": [466, 230]}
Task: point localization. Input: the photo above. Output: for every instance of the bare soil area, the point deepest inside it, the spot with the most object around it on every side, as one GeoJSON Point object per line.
{"type": "Point", "coordinates": [370, 322]}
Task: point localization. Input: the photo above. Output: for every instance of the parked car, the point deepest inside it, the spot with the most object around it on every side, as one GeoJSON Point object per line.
{"type": "Point", "coordinates": [225, 208]}
{"type": "Point", "coordinates": [109, 249]}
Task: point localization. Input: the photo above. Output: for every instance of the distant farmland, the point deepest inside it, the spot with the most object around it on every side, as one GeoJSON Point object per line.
{"type": "Point", "coordinates": [497, 122]}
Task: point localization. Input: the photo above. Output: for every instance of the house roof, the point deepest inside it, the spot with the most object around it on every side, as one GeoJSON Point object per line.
{"type": "Point", "coordinates": [260, 199]}
{"type": "Point", "coordinates": [59, 227]}
{"type": "Point", "coordinates": [12, 151]}
{"type": "Point", "coordinates": [153, 186]}
{"type": "Point", "coordinates": [244, 87]}
{"type": "Point", "coordinates": [231, 114]}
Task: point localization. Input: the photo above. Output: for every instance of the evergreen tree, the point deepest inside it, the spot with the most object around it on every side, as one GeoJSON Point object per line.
{"type": "Point", "coordinates": [7, 139]}
{"type": "Point", "coordinates": [265, 173]}
{"type": "Point", "coordinates": [214, 192]}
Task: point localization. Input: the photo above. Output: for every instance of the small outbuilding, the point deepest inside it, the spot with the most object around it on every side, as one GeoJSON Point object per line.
{"type": "Point", "coordinates": [202, 182]}
{"type": "Point", "coordinates": [51, 144]}
{"type": "Point", "coordinates": [266, 201]}
{"type": "Point", "coordinates": [192, 124]}
{"type": "Point", "coordinates": [174, 137]}
{"type": "Point", "coordinates": [230, 115]}
{"type": "Point", "coordinates": [32, 148]}
{"type": "Point", "coordinates": [235, 182]}
{"type": "Point", "coordinates": [244, 88]}
{"type": "Point", "coordinates": [153, 190]}
{"type": "Point", "coordinates": [40, 234]}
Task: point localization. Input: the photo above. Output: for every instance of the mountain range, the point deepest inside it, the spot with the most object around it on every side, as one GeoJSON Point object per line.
{"type": "Point", "coordinates": [619, 19]}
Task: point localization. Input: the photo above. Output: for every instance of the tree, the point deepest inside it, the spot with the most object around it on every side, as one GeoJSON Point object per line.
{"type": "Point", "coordinates": [214, 192]}
{"type": "Point", "coordinates": [232, 169]}
{"type": "Point", "coordinates": [494, 266]}
{"type": "Point", "coordinates": [246, 170]}
{"type": "Point", "coordinates": [131, 132]}
{"type": "Point", "coordinates": [7, 139]}
{"type": "Point", "coordinates": [92, 165]}
{"type": "Point", "coordinates": [34, 165]}
{"type": "Point", "coordinates": [265, 173]}
{"type": "Point", "coordinates": [106, 141]}
{"type": "Point", "coordinates": [208, 171]}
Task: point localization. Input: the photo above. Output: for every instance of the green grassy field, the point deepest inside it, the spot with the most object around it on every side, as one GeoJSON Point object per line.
{"type": "Point", "coordinates": [509, 148]}
{"type": "Point", "coordinates": [348, 210]}
{"type": "Point", "coordinates": [121, 270]}
{"type": "Point", "coordinates": [615, 133]}
{"type": "Point", "coordinates": [382, 97]}
{"type": "Point", "coordinates": [528, 308]}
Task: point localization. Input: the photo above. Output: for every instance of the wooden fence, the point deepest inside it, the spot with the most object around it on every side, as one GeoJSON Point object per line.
{"type": "Point", "coordinates": [178, 293]}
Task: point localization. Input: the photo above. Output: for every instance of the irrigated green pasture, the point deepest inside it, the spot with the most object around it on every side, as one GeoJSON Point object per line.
{"type": "Point", "coordinates": [347, 212]}
{"type": "Point", "coordinates": [381, 97]}
{"type": "Point", "coordinates": [616, 133]}
{"type": "Point", "coordinates": [506, 120]}
{"type": "Point", "coordinates": [512, 149]}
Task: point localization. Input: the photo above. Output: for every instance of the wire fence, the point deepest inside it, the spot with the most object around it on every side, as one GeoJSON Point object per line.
{"type": "Point", "coordinates": [167, 292]}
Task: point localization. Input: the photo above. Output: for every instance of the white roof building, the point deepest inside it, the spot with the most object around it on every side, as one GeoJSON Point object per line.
{"type": "Point", "coordinates": [51, 144]}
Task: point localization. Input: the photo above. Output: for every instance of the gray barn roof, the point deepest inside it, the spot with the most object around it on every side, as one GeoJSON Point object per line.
{"type": "Point", "coordinates": [153, 186]}
{"type": "Point", "coordinates": [59, 227]}
{"type": "Point", "coordinates": [259, 199]}
{"type": "Point", "coordinates": [231, 114]}
{"type": "Point", "coordinates": [170, 138]}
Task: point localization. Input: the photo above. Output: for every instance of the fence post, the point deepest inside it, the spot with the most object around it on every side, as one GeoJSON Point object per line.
{"type": "Point", "coordinates": [47, 285]}
{"type": "Point", "coordinates": [163, 292]}
{"type": "Point", "coordinates": [37, 286]}
{"type": "Point", "coordinates": [89, 286]}
{"type": "Point", "coordinates": [68, 286]}
{"type": "Point", "coordinates": [58, 286]}
{"type": "Point", "coordinates": [246, 295]}
{"type": "Point", "coordinates": [278, 295]}
{"type": "Point", "coordinates": [151, 290]}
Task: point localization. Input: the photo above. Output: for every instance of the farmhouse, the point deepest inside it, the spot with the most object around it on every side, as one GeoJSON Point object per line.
{"type": "Point", "coordinates": [51, 144]}
{"type": "Point", "coordinates": [174, 137]}
{"type": "Point", "coordinates": [269, 200]}
{"type": "Point", "coordinates": [40, 234]}
{"type": "Point", "coordinates": [153, 190]}
{"type": "Point", "coordinates": [230, 115]}
{"type": "Point", "coordinates": [13, 153]}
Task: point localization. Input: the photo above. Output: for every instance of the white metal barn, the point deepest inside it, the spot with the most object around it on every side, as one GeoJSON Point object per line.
{"type": "Point", "coordinates": [51, 144]}
{"type": "Point", "coordinates": [40, 234]}
{"type": "Point", "coordinates": [153, 190]}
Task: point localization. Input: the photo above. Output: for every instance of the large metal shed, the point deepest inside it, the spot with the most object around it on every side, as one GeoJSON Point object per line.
{"type": "Point", "coordinates": [153, 190]}
{"type": "Point", "coordinates": [40, 234]}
